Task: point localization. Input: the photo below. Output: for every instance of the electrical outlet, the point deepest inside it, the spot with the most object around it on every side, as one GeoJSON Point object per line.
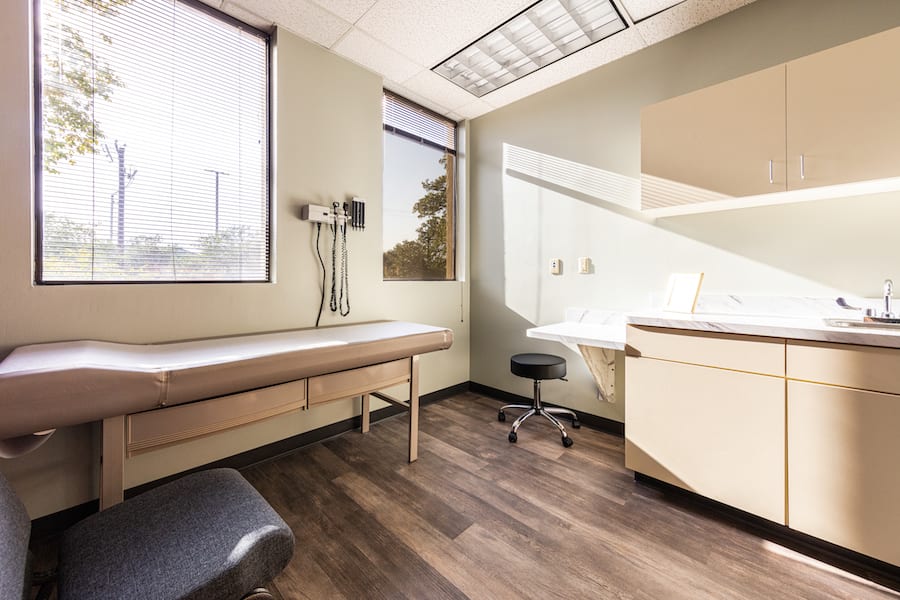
{"type": "Point", "coordinates": [555, 266]}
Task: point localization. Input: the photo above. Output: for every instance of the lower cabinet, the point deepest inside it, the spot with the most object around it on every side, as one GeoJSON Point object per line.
{"type": "Point", "coordinates": [843, 472]}
{"type": "Point", "coordinates": [716, 432]}
{"type": "Point", "coordinates": [806, 434]}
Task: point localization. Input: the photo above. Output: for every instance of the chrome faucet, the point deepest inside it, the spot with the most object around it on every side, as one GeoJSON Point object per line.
{"type": "Point", "coordinates": [888, 292]}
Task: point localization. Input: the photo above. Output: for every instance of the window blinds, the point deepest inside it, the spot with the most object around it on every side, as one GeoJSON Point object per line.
{"type": "Point", "coordinates": [407, 118]}
{"type": "Point", "coordinates": [152, 143]}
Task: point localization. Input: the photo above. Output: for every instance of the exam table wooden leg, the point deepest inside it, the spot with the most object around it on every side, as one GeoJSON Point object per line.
{"type": "Point", "coordinates": [414, 409]}
{"type": "Point", "coordinates": [365, 414]}
{"type": "Point", "coordinates": [112, 461]}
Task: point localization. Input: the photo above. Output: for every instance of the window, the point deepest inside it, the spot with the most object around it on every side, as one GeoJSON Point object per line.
{"type": "Point", "coordinates": [419, 192]}
{"type": "Point", "coordinates": [151, 122]}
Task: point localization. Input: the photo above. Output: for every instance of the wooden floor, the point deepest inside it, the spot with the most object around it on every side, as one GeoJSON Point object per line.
{"type": "Point", "coordinates": [478, 517]}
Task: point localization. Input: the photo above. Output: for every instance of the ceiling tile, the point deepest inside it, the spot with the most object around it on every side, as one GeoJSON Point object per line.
{"type": "Point", "coordinates": [471, 110]}
{"type": "Point", "coordinates": [604, 51]}
{"type": "Point", "coordinates": [429, 103]}
{"type": "Point", "coordinates": [428, 31]}
{"type": "Point", "coordinates": [684, 16]}
{"type": "Point", "coordinates": [302, 17]}
{"type": "Point", "coordinates": [213, 3]}
{"type": "Point", "coordinates": [375, 56]}
{"type": "Point", "coordinates": [349, 10]}
{"type": "Point", "coordinates": [639, 10]}
{"type": "Point", "coordinates": [250, 18]}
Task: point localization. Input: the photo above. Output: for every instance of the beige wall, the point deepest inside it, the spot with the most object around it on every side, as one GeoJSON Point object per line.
{"type": "Point", "coordinates": [327, 145]}
{"type": "Point", "coordinates": [818, 248]}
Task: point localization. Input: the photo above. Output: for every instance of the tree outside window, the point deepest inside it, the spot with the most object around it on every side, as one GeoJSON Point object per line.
{"type": "Point", "coordinates": [419, 197]}
{"type": "Point", "coordinates": [153, 161]}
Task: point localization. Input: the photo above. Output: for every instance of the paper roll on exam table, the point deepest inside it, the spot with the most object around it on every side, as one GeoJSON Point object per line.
{"type": "Point", "coordinates": [154, 395]}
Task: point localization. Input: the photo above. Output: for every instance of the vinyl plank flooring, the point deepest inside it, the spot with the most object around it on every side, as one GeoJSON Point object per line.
{"type": "Point", "coordinates": [483, 518]}
{"type": "Point", "coordinates": [477, 517]}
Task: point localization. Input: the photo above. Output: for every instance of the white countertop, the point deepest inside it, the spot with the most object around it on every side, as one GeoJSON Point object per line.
{"type": "Point", "coordinates": [598, 328]}
{"type": "Point", "coordinates": [805, 320]}
{"type": "Point", "coordinates": [797, 328]}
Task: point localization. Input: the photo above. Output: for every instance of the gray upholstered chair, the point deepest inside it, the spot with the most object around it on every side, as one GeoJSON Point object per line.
{"type": "Point", "coordinates": [208, 535]}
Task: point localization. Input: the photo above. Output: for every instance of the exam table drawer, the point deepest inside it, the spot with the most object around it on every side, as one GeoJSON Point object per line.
{"type": "Point", "coordinates": [354, 382]}
{"type": "Point", "coordinates": [153, 429]}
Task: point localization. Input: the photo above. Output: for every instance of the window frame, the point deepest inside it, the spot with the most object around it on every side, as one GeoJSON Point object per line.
{"type": "Point", "coordinates": [37, 119]}
{"type": "Point", "coordinates": [452, 198]}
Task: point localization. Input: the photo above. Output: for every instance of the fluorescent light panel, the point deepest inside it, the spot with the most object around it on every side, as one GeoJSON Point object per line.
{"type": "Point", "coordinates": [542, 34]}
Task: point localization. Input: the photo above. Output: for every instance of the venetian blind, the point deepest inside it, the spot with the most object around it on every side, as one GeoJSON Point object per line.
{"type": "Point", "coordinates": [152, 140]}
{"type": "Point", "coordinates": [409, 119]}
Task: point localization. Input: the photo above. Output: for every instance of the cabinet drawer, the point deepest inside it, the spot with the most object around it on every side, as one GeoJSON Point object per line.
{"type": "Point", "coordinates": [861, 367]}
{"type": "Point", "coordinates": [752, 354]}
{"type": "Point", "coordinates": [354, 382]}
{"type": "Point", "coordinates": [153, 429]}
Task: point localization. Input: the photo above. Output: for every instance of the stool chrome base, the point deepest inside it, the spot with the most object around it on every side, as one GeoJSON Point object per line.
{"type": "Point", "coordinates": [536, 408]}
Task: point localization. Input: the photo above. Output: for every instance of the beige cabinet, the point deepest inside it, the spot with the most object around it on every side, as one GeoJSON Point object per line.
{"type": "Point", "coordinates": [829, 118]}
{"type": "Point", "coordinates": [843, 108]}
{"type": "Point", "coordinates": [723, 140]}
{"type": "Point", "coordinates": [717, 428]}
{"type": "Point", "coordinates": [802, 433]}
{"type": "Point", "coordinates": [843, 445]}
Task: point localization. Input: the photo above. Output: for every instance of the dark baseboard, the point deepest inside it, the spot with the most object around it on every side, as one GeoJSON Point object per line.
{"type": "Point", "coordinates": [874, 570]}
{"type": "Point", "coordinates": [592, 421]}
{"type": "Point", "coordinates": [59, 521]}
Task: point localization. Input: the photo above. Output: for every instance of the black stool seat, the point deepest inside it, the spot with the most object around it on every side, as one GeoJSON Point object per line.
{"type": "Point", "coordinates": [538, 366]}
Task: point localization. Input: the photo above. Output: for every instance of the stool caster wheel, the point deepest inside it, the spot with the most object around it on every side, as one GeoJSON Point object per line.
{"type": "Point", "coordinates": [501, 416]}
{"type": "Point", "coordinates": [566, 442]}
{"type": "Point", "coordinates": [576, 424]}
{"type": "Point", "coordinates": [513, 437]}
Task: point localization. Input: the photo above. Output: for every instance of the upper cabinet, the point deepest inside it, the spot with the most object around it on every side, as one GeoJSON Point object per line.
{"type": "Point", "coordinates": [843, 108]}
{"type": "Point", "coordinates": [826, 119]}
{"type": "Point", "coordinates": [722, 141]}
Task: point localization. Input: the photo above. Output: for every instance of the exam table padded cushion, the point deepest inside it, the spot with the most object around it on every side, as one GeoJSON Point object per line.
{"type": "Point", "coordinates": [209, 535]}
{"type": "Point", "coordinates": [47, 386]}
{"type": "Point", "coordinates": [15, 530]}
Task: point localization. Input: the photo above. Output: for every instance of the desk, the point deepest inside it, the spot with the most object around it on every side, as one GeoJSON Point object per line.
{"type": "Point", "coordinates": [154, 395]}
{"type": "Point", "coordinates": [598, 334]}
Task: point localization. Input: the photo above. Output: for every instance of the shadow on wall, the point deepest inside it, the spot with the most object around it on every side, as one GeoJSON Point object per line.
{"type": "Point", "coordinates": [555, 208]}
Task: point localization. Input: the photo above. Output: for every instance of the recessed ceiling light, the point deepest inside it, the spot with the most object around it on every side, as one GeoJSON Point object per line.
{"type": "Point", "coordinates": [538, 36]}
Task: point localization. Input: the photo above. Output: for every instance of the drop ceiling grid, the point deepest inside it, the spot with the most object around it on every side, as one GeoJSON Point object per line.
{"type": "Point", "coordinates": [432, 30]}
{"type": "Point", "coordinates": [402, 39]}
{"type": "Point", "coordinates": [302, 17]}
{"type": "Point", "coordinates": [348, 10]}
{"type": "Point", "coordinates": [372, 54]}
{"type": "Point", "coordinates": [641, 9]}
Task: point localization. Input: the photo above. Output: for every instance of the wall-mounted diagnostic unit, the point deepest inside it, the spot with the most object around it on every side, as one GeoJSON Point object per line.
{"type": "Point", "coordinates": [338, 217]}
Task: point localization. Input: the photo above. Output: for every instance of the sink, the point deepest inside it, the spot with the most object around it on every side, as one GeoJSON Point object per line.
{"type": "Point", "coordinates": [875, 323]}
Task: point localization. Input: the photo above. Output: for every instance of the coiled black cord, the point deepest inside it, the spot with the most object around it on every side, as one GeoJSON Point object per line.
{"type": "Point", "coordinates": [345, 277]}
{"type": "Point", "coordinates": [321, 262]}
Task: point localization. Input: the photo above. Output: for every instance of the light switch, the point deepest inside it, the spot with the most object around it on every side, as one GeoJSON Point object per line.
{"type": "Point", "coordinates": [555, 266]}
{"type": "Point", "coordinates": [584, 265]}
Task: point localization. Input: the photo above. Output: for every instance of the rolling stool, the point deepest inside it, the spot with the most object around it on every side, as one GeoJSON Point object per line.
{"type": "Point", "coordinates": [539, 367]}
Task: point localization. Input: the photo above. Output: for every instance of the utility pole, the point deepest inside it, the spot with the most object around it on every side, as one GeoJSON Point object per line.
{"type": "Point", "coordinates": [120, 151]}
{"type": "Point", "coordinates": [125, 179]}
{"type": "Point", "coordinates": [217, 174]}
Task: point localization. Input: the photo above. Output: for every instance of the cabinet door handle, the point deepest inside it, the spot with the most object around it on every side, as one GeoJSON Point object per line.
{"type": "Point", "coordinates": [771, 171]}
{"type": "Point", "coordinates": [802, 167]}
